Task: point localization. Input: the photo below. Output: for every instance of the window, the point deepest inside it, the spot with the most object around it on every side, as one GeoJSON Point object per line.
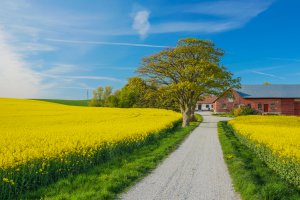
{"type": "Point", "coordinates": [249, 105]}
{"type": "Point", "coordinates": [207, 105]}
{"type": "Point", "coordinates": [212, 105]}
{"type": "Point", "coordinates": [259, 106]}
{"type": "Point", "coordinates": [272, 106]}
{"type": "Point", "coordinates": [224, 106]}
{"type": "Point", "coordinates": [230, 97]}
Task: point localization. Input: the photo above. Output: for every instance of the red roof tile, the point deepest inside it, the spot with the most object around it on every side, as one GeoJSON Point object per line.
{"type": "Point", "coordinates": [207, 100]}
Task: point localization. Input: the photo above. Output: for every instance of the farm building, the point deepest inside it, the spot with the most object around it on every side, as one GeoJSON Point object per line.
{"type": "Point", "coordinates": [267, 99]}
{"type": "Point", "coordinates": [206, 103]}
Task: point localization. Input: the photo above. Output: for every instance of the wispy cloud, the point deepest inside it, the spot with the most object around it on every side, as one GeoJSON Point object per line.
{"type": "Point", "coordinates": [286, 59]}
{"type": "Point", "coordinates": [77, 88]}
{"type": "Point", "coordinates": [228, 15]}
{"type": "Point", "coordinates": [106, 78]}
{"type": "Point", "coordinates": [231, 8]}
{"type": "Point", "coordinates": [61, 69]}
{"type": "Point", "coordinates": [266, 74]}
{"type": "Point", "coordinates": [106, 43]}
{"type": "Point", "coordinates": [17, 79]}
{"type": "Point", "coordinates": [200, 27]}
{"type": "Point", "coordinates": [35, 47]}
{"type": "Point", "coordinates": [141, 23]}
{"type": "Point", "coordinates": [260, 69]}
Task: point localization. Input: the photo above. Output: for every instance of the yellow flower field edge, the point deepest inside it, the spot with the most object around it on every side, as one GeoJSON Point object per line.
{"type": "Point", "coordinates": [275, 140]}
{"type": "Point", "coordinates": [43, 142]}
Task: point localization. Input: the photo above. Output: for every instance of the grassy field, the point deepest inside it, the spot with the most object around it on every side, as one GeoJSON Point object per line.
{"type": "Point", "coordinates": [251, 177]}
{"type": "Point", "coordinates": [67, 102]}
{"type": "Point", "coordinates": [42, 142]}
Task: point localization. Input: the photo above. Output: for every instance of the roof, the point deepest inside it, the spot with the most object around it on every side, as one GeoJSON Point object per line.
{"type": "Point", "coordinates": [269, 91]}
{"type": "Point", "coordinates": [207, 100]}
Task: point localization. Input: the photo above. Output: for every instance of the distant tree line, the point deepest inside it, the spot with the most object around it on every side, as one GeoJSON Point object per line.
{"type": "Point", "coordinates": [174, 78]}
{"type": "Point", "coordinates": [137, 93]}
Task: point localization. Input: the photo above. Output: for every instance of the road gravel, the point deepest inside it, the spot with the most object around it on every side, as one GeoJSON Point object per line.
{"type": "Point", "coordinates": [195, 171]}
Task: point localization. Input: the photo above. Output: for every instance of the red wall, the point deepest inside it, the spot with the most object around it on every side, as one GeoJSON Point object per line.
{"type": "Point", "coordinates": [297, 107]}
{"type": "Point", "coordinates": [281, 106]}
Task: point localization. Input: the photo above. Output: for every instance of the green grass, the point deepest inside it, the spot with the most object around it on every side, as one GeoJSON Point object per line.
{"type": "Point", "coordinates": [251, 177]}
{"type": "Point", "coordinates": [111, 178]}
{"type": "Point", "coordinates": [67, 102]}
{"type": "Point", "coordinates": [223, 114]}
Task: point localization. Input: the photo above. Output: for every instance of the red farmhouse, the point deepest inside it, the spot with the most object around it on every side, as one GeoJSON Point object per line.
{"type": "Point", "coordinates": [276, 99]}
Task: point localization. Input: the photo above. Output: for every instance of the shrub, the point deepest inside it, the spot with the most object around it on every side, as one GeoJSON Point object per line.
{"type": "Point", "coordinates": [244, 110]}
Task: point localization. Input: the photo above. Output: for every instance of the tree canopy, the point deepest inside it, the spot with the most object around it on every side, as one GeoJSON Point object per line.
{"type": "Point", "coordinates": [188, 72]}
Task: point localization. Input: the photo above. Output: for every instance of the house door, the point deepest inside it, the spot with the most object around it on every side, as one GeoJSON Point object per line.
{"type": "Point", "coordinates": [199, 106]}
{"type": "Point", "coordinates": [266, 107]}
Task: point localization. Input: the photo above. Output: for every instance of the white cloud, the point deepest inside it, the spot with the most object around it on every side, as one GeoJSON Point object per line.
{"type": "Point", "coordinates": [106, 43]}
{"type": "Point", "coordinates": [202, 27]}
{"type": "Point", "coordinates": [141, 23]}
{"type": "Point", "coordinates": [266, 74]}
{"type": "Point", "coordinates": [71, 78]}
{"type": "Point", "coordinates": [17, 79]}
{"type": "Point", "coordinates": [231, 8]}
{"type": "Point", "coordinates": [61, 69]}
{"type": "Point", "coordinates": [223, 16]}
{"type": "Point", "coordinates": [35, 47]}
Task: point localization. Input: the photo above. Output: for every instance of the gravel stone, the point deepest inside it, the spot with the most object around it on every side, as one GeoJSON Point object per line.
{"type": "Point", "coordinates": [195, 171]}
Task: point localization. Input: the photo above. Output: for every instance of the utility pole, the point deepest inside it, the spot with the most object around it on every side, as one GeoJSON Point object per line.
{"type": "Point", "coordinates": [87, 94]}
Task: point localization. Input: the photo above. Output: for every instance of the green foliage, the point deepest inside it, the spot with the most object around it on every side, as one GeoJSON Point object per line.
{"type": "Point", "coordinates": [100, 96]}
{"type": "Point", "coordinates": [266, 83]}
{"type": "Point", "coordinates": [114, 99]}
{"type": "Point", "coordinates": [251, 177]}
{"type": "Point", "coordinates": [136, 93]}
{"type": "Point", "coordinates": [67, 102]}
{"type": "Point", "coordinates": [244, 110]}
{"type": "Point", "coordinates": [190, 70]}
{"type": "Point", "coordinates": [132, 94]}
{"type": "Point", "coordinates": [223, 114]}
{"type": "Point", "coordinates": [112, 177]}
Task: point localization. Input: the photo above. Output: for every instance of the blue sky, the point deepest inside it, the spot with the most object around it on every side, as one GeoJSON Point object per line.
{"type": "Point", "coordinates": [59, 49]}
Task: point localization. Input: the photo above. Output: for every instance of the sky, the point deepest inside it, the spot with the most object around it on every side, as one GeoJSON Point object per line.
{"type": "Point", "coordinates": [63, 48]}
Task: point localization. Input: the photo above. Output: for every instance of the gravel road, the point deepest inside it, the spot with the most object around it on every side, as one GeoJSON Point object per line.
{"type": "Point", "coordinates": [196, 170]}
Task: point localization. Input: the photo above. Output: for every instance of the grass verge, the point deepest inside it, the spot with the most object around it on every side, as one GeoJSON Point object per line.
{"type": "Point", "coordinates": [67, 102]}
{"type": "Point", "coordinates": [251, 177]}
{"type": "Point", "coordinates": [111, 178]}
{"type": "Point", "coordinates": [223, 114]}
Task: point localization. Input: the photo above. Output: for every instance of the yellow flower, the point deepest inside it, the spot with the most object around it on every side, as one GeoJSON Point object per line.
{"type": "Point", "coordinates": [36, 130]}
{"type": "Point", "coordinates": [279, 133]}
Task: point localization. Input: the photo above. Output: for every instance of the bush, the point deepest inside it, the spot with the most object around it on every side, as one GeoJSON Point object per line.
{"type": "Point", "coordinates": [244, 110]}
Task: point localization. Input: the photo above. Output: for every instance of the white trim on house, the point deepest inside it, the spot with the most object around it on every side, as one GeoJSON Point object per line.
{"type": "Point", "coordinates": [204, 106]}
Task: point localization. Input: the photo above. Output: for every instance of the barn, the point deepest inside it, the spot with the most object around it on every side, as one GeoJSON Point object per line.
{"type": "Point", "coordinates": [267, 99]}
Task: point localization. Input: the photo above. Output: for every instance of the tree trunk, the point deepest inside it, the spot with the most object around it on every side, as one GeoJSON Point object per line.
{"type": "Point", "coordinates": [186, 116]}
{"type": "Point", "coordinates": [193, 118]}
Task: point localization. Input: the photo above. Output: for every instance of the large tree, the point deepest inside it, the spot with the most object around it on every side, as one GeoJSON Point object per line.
{"type": "Point", "coordinates": [188, 72]}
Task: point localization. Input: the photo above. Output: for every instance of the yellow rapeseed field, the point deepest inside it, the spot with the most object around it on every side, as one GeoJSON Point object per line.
{"type": "Point", "coordinates": [39, 132]}
{"type": "Point", "coordinates": [276, 139]}
{"type": "Point", "coordinates": [279, 133]}
{"type": "Point", "coordinates": [34, 129]}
